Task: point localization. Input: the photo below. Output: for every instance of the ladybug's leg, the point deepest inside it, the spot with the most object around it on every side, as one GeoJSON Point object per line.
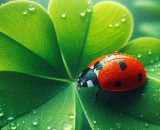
{"type": "Point", "coordinates": [96, 95]}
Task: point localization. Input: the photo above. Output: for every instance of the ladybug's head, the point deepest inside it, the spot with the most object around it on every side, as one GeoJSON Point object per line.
{"type": "Point", "coordinates": [87, 78]}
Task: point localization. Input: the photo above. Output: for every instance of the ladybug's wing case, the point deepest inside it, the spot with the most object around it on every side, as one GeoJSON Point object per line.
{"type": "Point", "coordinates": [122, 73]}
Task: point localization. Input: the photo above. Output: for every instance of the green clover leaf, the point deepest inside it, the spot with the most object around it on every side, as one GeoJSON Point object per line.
{"type": "Point", "coordinates": [42, 53]}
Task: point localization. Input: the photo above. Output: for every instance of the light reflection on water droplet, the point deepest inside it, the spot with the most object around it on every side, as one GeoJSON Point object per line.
{"type": "Point", "coordinates": [139, 56]}
{"type": "Point", "coordinates": [10, 118]}
{"type": "Point", "coordinates": [1, 113]}
{"type": "Point", "coordinates": [151, 61]}
{"type": "Point", "coordinates": [32, 8]}
{"type": "Point", "coordinates": [146, 125]}
{"type": "Point", "coordinates": [24, 13]}
{"type": "Point", "coordinates": [71, 116]}
{"type": "Point", "coordinates": [118, 125]}
{"type": "Point", "coordinates": [49, 128]}
{"type": "Point", "coordinates": [82, 13]}
{"type": "Point", "coordinates": [149, 53]}
{"type": "Point", "coordinates": [141, 116]}
{"type": "Point", "coordinates": [89, 10]}
{"type": "Point", "coordinates": [110, 25]}
{"type": "Point", "coordinates": [35, 123]}
{"type": "Point", "coordinates": [94, 122]}
{"type": "Point", "coordinates": [63, 15]}
{"type": "Point", "coordinates": [123, 20]}
{"type": "Point", "coordinates": [13, 126]}
{"type": "Point", "coordinates": [67, 126]}
{"type": "Point", "coordinates": [152, 70]}
{"type": "Point", "coordinates": [117, 25]}
{"type": "Point", "coordinates": [157, 58]}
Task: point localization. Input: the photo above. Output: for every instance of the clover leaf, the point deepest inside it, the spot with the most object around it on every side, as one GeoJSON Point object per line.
{"type": "Point", "coordinates": [41, 54]}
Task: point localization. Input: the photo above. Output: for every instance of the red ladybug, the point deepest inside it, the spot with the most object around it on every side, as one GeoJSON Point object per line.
{"type": "Point", "coordinates": [116, 72]}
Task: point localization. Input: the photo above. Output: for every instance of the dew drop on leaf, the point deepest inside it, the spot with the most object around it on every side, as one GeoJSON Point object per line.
{"type": "Point", "coordinates": [71, 116]}
{"type": "Point", "coordinates": [13, 126]}
{"type": "Point", "coordinates": [123, 20]}
{"type": "Point", "coordinates": [63, 15]}
{"type": "Point", "coordinates": [157, 58]}
{"type": "Point", "coordinates": [89, 10]}
{"type": "Point", "coordinates": [94, 122]}
{"type": "Point", "coordinates": [117, 25]}
{"type": "Point", "coordinates": [118, 125]}
{"type": "Point", "coordinates": [1, 113]}
{"type": "Point", "coordinates": [34, 111]}
{"type": "Point", "coordinates": [152, 70]}
{"type": "Point", "coordinates": [35, 123]}
{"type": "Point", "coordinates": [82, 13]}
{"type": "Point", "coordinates": [149, 53]}
{"type": "Point", "coordinates": [139, 56]}
{"type": "Point", "coordinates": [67, 126]}
{"type": "Point", "coordinates": [151, 61]}
{"type": "Point", "coordinates": [89, 2]}
{"type": "Point", "coordinates": [10, 118]}
{"type": "Point", "coordinates": [32, 8]}
{"type": "Point", "coordinates": [24, 13]}
{"type": "Point", "coordinates": [110, 25]}
{"type": "Point", "coordinates": [146, 125]}
{"type": "Point", "coordinates": [49, 128]}
{"type": "Point", "coordinates": [141, 116]}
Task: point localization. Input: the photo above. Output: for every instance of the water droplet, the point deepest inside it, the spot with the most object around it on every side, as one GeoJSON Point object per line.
{"type": "Point", "coordinates": [71, 116]}
{"type": "Point", "coordinates": [110, 25]}
{"type": "Point", "coordinates": [118, 125]}
{"type": "Point", "coordinates": [49, 128]}
{"type": "Point", "coordinates": [117, 25]}
{"type": "Point", "coordinates": [157, 58]}
{"type": "Point", "coordinates": [63, 15]}
{"type": "Point", "coordinates": [1, 114]}
{"type": "Point", "coordinates": [139, 56]}
{"type": "Point", "coordinates": [146, 125]}
{"type": "Point", "coordinates": [123, 20]}
{"type": "Point", "coordinates": [82, 13]}
{"type": "Point", "coordinates": [13, 126]}
{"type": "Point", "coordinates": [35, 123]}
{"type": "Point", "coordinates": [10, 118]}
{"type": "Point", "coordinates": [110, 128]}
{"type": "Point", "coordinates": [31, 8]}
{"type": "Point", "coordinates": [141, 116]}
{"type": "Point", "coordinates": [24, 13]}
{"type": "Point", "coordinates": [151, 61]}
{"type": "Point", "coordinates": [67, 126]}
{"type": "Point", "coordinates": [94, 122]}
{"type": "Point", "coordinates": [89, 2]}
{"type": "Point", "coordinates": [89, 10]}
{"type": "Point", "coordinates": [152, 70]}
{"type": "Point", "coordinates": [149, 53]}
{"type": "Point", "coordinates": [34, 111]}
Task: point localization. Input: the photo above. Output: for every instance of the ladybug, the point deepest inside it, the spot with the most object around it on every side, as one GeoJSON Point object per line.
{"type": "Point", "coordinates": [115, 72]}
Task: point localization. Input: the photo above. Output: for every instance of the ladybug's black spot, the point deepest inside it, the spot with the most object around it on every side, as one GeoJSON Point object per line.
{"type": "Point", "coordinates": [118, 83]}
{"type": "Point", "coordinates": [140, 76]}
{"type": "Point", "coordinates": [122, 65]}
{"type": "Point", "coordinates": [98, 66]}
